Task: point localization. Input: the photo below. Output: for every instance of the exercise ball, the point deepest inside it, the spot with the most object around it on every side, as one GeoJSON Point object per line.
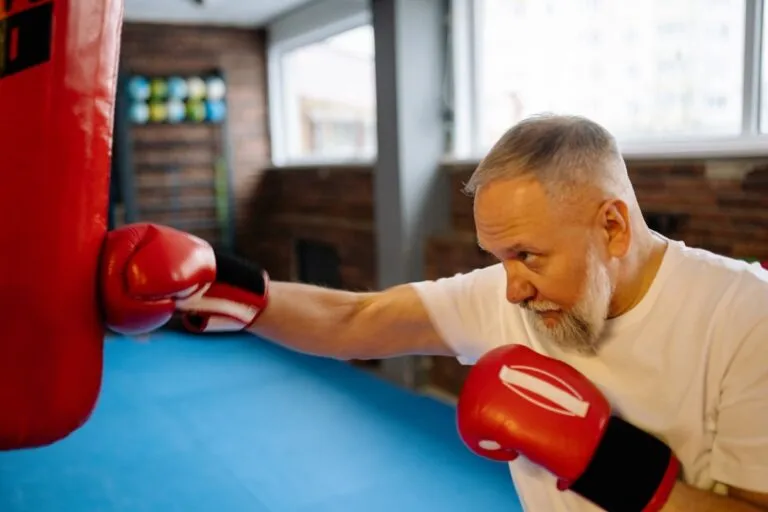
{"type": "Point", "coordinates": [175, 111]}
{"type": "Point", "coordinates": [158, 112]}
{"type": "Point", "coordinates": [139, 112]}
{"type": "Point", "coordinates": [177, 88]}
{"type": "Point", "coordinates": [215, 111]}
{"type": "Point", "coordinates": [138, 88]}
{"type": "Point", "coordinates": [196, 88]}
{"type": "Point", "coordinates": [216, 88]}
{"type": "Point", "coordinates": [196, 111]}
{"type": "Point", "coordinates": [159, 88]}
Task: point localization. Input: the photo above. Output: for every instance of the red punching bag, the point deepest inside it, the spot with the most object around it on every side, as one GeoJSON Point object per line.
{"type": "Point", "coordinates": [58, 68]}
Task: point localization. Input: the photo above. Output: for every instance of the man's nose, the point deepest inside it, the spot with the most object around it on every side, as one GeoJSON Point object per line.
{"type": "Point", "coordinates": [519, 289]}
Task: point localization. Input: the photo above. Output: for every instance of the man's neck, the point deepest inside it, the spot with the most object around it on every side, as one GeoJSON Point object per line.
{"type": "Point", "coordinates": [638, 273]}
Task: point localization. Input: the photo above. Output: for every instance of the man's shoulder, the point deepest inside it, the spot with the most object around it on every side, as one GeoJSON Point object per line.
{"type": "Point", "coordinates": [702, 268]}
{"type": "Point", "coordinates": [723, 289]}
{"type": "Point", "coordinates": [484, 272]}
{"type": "Point", "coordinates": [490, 276]}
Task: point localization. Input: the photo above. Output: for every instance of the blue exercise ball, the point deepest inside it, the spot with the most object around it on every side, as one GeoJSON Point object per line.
{"type": "Point", "coordinates": [176, 111]}
{"type": "Point", "coordinates": [139, 112]}
{"type": "Point", "coordinates": [215, 111]}
{"type": "Point", "coordinates": [177, 88]}
{"type": "Point", "coordinates": [138, 88]}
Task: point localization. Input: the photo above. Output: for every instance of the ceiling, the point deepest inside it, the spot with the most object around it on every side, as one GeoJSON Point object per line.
{"type": "Point", "coordinates": [218, 12]}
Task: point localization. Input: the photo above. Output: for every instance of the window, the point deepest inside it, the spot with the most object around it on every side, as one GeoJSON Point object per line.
{"type": "Point", "coordinates": [327, 99]}
{"type": "Point", "coordinates": [657, 71]}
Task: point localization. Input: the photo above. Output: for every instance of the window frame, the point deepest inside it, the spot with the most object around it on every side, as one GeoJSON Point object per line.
{"type": "Point", "coordinates": [466, 17]}
{"type": "Point", "coordinates": [309, 25]}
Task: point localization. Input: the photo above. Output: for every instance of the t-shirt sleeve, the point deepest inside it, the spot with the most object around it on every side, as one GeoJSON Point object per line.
{"type": "Point", "coordinates": [465, 309]}
{"type": "Point", "coordinates": [740, 449]}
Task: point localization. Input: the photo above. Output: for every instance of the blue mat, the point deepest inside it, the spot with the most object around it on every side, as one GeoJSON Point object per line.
{"type": "Point", "coordinates": [231, 424]}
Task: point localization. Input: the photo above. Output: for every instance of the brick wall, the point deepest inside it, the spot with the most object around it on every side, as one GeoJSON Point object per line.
{"type": "Point", "coordinates": [718, 205]}
{"type": "Point", "coordinates": [332, 206]}
{"type": "Point", "coordinates": [165, 155]}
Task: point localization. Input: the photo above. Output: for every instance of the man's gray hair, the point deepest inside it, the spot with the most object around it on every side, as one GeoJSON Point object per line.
{"type": "Point", "coordinates": [562, 152]}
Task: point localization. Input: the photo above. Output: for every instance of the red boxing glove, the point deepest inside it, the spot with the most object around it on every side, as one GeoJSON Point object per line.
{"type": "Point", "coordinates": [149, 271]}
{"type": "Point", "coordinates": [518, 402]}
{"type": "Point", "coordinates": [233, 302]}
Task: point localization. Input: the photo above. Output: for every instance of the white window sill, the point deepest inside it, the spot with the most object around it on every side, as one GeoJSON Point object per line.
{"type": "Point", "coordinates": [753, 147]}
{"type": "Point", "coordinates": [714, 149]}
{"type": "Point", "coordinates": [315, 163]}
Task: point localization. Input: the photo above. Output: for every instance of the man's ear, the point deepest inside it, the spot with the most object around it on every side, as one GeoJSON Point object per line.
{"type": "Point", "coordinates": [613, 220]}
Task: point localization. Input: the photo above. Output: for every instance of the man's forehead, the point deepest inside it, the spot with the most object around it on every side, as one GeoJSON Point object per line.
{"type": "Point", "coordinates": [516, 198]}
{"type": "Point", "coordinates": [520, 212]}
{"type": "Point", "coordinates": [513, 215]}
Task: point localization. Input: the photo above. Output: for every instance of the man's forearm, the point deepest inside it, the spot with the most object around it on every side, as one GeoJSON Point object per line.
{"type": "Point", "coordinates": [685, 498]}
{"type": "Point", "coordinates": [309, 319]}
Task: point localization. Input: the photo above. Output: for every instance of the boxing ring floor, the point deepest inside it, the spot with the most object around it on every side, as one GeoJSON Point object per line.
{"type": "Point", "coordinates": [228, 423]}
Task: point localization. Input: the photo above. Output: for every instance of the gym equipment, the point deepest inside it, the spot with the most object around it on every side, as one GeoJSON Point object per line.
{"type": "Point", "coordinates": [196, 88]}
{"type": "Point", "coordinates": [177, 99]}
{"type": "Point", "coordinates": [139, 113]}
{"type": "Point", "coordinates": [195, 111]}
{"type": "Point", "coordinates": [55, 138]}
{"type": "Point", "coordinates": [158, 111]}
{"type": "Point", "coordinates": [158, 89]}
{"type": "Point", "coordinates": [215, 111]}
{"type": "Point", "coordinates": [177, 88]}
{"type": "Point", "coordinates": [138, 88]}
{"type": "Point", "coordinates": [215, 88]}
{"type": "Point", "coordinates": [234, 423]}
{"type": "Point", "coordinates": [175, 110]}
{"type": "Point", "coordinates": [177, 114]}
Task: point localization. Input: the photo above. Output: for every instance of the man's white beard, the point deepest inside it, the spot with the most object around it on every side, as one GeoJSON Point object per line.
{"type": "Point", "coordinates": [579, 330]}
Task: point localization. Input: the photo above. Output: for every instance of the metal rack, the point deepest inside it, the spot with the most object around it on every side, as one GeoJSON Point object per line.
{"type": "Point", "coordinates": [172, 180]}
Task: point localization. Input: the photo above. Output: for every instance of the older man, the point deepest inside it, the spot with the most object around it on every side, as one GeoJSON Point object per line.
{"type": "Point", "coordinates": [629, 328]}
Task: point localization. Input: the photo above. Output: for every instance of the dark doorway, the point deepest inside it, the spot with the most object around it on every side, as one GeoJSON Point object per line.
{"type": "Point", "coordinates": [318, 264]}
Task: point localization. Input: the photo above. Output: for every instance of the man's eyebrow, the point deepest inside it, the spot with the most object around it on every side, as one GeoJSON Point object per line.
{"type": "Point", "coordinates": [514, 248]}
{"type": "Point", "coordinates": [517, 248]}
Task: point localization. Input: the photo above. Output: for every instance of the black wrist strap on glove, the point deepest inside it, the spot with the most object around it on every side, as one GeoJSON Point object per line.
{"type": "Point", "coordinates": [632, 471]}
{"type": "Point", "coordinates": [240, 273]}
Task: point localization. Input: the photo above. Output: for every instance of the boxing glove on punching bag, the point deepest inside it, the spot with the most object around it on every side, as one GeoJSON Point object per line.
{"type": "Point", "coordinates": [58, 67]}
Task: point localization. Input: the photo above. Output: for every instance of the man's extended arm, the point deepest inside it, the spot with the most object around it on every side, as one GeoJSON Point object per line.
{"type": "Point", "coordinates": [148, 272]}
{"type": "Point", "coordinates": [348, 325]}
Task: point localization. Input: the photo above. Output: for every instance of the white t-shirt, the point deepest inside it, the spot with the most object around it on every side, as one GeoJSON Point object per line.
{"type": "Point", "coordinates": [688, 364]}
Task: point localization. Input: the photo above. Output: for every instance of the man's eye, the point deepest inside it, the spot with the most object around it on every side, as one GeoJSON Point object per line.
{"type": "Point", "coordinates": [526, 257]}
